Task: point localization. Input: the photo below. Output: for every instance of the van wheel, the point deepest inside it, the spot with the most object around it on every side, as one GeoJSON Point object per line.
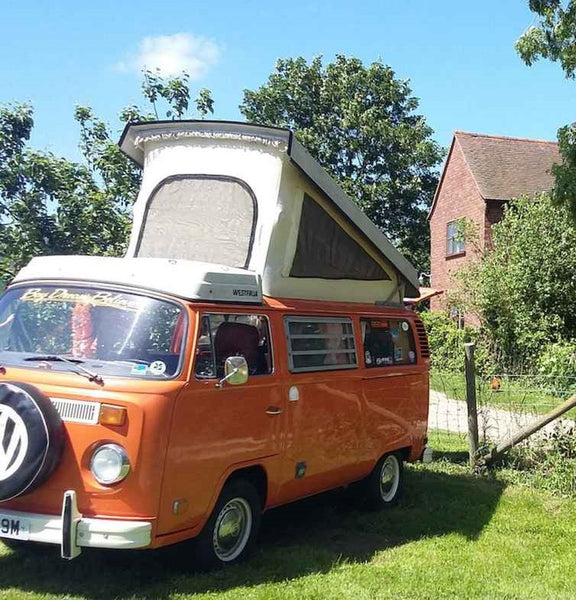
{"type": "Point", "coordinates": [231, 531]}
{"type": "Point", "coordinates": [384, 486]}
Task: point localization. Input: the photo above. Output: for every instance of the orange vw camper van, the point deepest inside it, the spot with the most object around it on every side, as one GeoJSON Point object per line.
{"type": "Point", "coordinates": [251, 349]}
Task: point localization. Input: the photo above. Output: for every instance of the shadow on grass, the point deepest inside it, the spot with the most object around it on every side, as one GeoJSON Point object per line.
{"type": "Point", "coordinates": [457, 457]}
{"type": "Point", "coordinates": [310, 536]}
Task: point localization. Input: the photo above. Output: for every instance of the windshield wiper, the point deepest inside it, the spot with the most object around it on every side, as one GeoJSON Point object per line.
{"type": "Point", "coordinates": [79, 369]}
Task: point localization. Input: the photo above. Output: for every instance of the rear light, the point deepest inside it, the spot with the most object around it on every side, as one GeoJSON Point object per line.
{"type": "Point", "coordinates": [112, 415]}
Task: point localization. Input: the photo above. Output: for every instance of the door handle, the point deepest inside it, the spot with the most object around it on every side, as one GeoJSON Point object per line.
{"type": "Point", "coordinates": [273, 410]}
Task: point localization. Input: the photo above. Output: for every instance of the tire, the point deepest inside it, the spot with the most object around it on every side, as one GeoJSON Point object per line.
{"type": "Point", "coordinates": [385, 485]}
{"type": "Point", "coordinates": [231, 531]}
{"type": "Point", "coordinates": [31, 439]}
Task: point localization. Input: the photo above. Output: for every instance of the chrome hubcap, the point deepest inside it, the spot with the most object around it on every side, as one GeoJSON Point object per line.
{"type": "Point", "coordinates": [389, 478]}
{"type": "Point", "coordinates": [232, 529]}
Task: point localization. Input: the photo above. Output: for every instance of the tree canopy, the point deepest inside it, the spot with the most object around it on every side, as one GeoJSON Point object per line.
{"type": "Point", "coordinates": [554, 38]}
{"type": "Point", "coordinates": [360, 123]}
{"type": "Point", "coordinates": [50, 205]}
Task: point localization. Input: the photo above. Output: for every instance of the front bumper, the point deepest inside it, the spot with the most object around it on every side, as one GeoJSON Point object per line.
{"type": "Point", "coordinates": [72, 531]}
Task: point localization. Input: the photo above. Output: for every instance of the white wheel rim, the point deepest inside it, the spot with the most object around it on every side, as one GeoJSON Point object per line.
{"type": "Point", "coordinates": [389, 478]}
{"type": "Point", "coordinates": [232, 529]}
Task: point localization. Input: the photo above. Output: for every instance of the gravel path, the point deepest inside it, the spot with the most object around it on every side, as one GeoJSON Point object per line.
{"type": "Point", "coordinates": [494, 423]}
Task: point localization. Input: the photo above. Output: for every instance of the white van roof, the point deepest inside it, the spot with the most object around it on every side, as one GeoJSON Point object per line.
{"type": "Point", "coordinates": [181, 278]}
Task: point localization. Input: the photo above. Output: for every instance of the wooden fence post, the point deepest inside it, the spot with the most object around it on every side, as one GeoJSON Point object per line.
{"type": "Point", "coordinates": [471, 402]}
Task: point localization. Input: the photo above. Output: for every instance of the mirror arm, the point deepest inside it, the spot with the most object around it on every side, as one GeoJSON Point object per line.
{"type": "Point", "coordinates": [221, 383]}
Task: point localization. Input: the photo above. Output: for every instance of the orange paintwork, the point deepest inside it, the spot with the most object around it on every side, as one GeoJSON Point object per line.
{"type": "Point", "coordinates": [184, 437]}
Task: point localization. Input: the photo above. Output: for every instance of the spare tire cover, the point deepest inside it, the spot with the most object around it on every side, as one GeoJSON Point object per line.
{"type": "Point", "coordinates": [31, 439]}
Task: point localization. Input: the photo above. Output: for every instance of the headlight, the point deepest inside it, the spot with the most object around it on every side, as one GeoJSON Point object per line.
{"type": "Point", "coordinates": [109, 464]}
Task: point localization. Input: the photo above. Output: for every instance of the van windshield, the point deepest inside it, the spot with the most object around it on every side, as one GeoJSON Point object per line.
{"type": "Point", "coordinates": [113, 333]}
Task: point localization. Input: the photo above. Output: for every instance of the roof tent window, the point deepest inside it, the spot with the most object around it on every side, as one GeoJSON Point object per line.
{"type": "Point", "coordinates": [205, 218]}
{"type": "Point", "coordinates": [324, 250]}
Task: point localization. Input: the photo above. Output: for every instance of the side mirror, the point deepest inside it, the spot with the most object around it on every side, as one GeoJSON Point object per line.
{"type": "Point", "coordinates": [235, 371]}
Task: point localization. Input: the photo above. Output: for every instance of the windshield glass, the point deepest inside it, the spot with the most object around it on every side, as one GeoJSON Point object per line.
{"type": "Point", "coordinates": [113, 333]}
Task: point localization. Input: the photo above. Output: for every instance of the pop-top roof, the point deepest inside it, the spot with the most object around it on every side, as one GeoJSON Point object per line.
{"type": "Point", "coordinates": [137, 135]}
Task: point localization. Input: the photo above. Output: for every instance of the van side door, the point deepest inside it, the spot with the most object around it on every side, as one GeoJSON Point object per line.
{"type": "Point", "coordinates": [323, 412]}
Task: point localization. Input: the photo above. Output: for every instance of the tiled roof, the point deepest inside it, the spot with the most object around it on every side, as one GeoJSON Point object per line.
{"type": "Point", "coordinates": [506, 167]}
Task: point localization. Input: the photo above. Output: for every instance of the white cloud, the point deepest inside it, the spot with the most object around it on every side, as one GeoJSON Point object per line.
{"type": "Point", "coordinates": [172, 54]}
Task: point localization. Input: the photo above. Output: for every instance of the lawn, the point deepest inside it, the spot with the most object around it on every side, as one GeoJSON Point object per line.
{"type": "Point", "coordinates": [454, 535]}
{"type": "Point", "coordinates": [517, 393]}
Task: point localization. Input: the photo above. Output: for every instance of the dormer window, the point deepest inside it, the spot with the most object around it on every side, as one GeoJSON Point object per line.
{"type": "Point", "coordinates": [455, 244]}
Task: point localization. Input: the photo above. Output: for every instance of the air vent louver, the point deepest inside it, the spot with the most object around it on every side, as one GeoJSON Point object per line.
{"type": "Point", "coordinates": [77, 411]}
{"type": "Point", "coordinates": [423, 338]}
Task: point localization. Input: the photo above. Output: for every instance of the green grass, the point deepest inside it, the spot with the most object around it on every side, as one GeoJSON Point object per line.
{"type": "Point", "coordinates": [515, 395]}
{"type": "Point", "coordinates": [454, 535]}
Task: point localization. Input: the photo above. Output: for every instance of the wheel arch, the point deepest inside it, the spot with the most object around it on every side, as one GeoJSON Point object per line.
{"type": "Point", "coordinates": [254, 474]}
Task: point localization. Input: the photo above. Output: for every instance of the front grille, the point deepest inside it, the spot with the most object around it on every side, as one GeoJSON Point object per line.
{"type": "Point", "coordinates": [77, 411]}
{"type": "Point", "coordinates": [421, 331]}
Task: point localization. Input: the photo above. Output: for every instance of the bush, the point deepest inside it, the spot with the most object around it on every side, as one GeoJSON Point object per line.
{"type": "Point", "coordinates": [523, 287]}
{"type": "Point", "coordinates": [558, 359]}
{"type": "Point", "coordinates": [447, 343]}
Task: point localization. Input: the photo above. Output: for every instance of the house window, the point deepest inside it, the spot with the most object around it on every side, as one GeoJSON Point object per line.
{"type": "Point", "coordinates": [387, 342]}
{"type": "Point", "coordinates": [320, 344]}
{"type": "Point", "coordinates": [454, 242]}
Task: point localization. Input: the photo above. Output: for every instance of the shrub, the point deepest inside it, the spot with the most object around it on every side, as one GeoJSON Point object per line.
{"type": "Point", "coordinates": [447, 342]}
{"type": "Point", "coordinates": [523, 287]}
{"type": "Point", "coordinates": [558, 359]}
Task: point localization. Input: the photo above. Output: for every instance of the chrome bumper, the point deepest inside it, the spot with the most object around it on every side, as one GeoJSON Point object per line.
{"type": "Point", "coordinates": [72, 531]}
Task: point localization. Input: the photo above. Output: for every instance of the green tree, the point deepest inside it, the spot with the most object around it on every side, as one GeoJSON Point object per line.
{"type": "Point", "coordinates": [554, 38]}
{"type": "Point", "coordinates": [523, 289]}
{"type": "Point", "coordinates": [50, 205]}
{"type": "Point", "coordinates": [361, 124]}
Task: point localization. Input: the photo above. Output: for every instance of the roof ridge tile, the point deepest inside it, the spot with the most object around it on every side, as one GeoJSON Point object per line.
{"type": "Point", "coordinates": [503, 137]}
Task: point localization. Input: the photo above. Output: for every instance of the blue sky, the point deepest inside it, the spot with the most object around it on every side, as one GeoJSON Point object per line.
{"type": "Point", "coordinates": [458, 55]}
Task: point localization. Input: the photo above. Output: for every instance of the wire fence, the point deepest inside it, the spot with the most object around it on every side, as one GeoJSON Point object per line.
{"type": "Point", "coordinates": [505, 404]}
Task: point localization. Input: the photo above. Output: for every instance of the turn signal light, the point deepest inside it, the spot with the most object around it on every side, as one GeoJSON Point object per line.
{"type": "Point", "coordinates": [112, 415]}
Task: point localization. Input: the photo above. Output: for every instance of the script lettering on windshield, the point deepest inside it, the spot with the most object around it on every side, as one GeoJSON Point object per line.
{"type": "Point", "coordinates": [108, 299]}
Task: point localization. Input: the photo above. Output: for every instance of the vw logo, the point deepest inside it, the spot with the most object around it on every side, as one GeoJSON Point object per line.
{"type": "Point", "coordinates": [13, 441]}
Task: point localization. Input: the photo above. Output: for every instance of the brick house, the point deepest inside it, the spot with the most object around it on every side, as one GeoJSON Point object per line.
{"type": "Point", "coordinates": [481, 173]}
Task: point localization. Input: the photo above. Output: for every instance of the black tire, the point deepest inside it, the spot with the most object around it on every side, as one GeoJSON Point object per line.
{"type": "Point", "coordinates": [384, 486]}
{"type": "Point", "coordinates": [239, 511]}
{"type": "Point", "coordinates": [31, 439]}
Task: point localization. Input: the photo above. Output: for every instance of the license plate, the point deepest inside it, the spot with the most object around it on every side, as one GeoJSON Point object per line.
{"type": "Point", "coordinates": [14, 528]}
